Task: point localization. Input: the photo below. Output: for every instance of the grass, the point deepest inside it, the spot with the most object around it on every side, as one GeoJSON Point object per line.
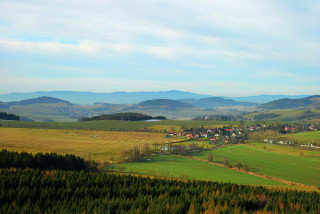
{"type": "Point", "coordinates": [305, 137]}
{"type": "Point", "coordinates": [182, 167]}
{"type": "Point", "coordinates": [304, 169]}
{"type": "Point", "coordinates": [82, 143]}
{"type": "Point", "coordinates": [284, 149]}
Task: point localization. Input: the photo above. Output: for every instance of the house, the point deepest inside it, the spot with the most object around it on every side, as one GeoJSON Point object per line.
{"type": "Point", "coordinates": [189, 135]}
{"type": "Point", "coordinates": [204, 134]}
{"type": "Point", "coordinates": [314, 127]}
{"type": "Point", "coordinates": [171, 132]}
{"type": "Point", "coordinates": [180, 134]}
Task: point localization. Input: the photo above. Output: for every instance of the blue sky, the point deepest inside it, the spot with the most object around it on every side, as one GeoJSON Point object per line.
{"type": "Point", "coordinates": [214, 47]}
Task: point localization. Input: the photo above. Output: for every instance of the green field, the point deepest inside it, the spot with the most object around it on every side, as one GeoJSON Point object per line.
{"type": "Point", "coordinates": [304, 170]}
{"type": "Point", "coordinates": [285, 149]}
{"type": "Point", "coordinates": [305, 137]}
{"type": "Point", "coordinates": [178, 166]}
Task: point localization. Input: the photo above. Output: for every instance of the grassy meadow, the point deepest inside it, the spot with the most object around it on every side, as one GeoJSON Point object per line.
{"type": "Point", "coordinates": [305, 137]}
{"type": "Point", "coordinates": [102, 147]}
{"type": "Point", "coordinates": [295, 168]}
{"type": "Point", "coordinates": [182, 167]}
{"type": "Point", "coordinates": [284, 149]}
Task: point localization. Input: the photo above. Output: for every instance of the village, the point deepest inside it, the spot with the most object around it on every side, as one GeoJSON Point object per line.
{"type": "Point", "coordinates": [272, 134]}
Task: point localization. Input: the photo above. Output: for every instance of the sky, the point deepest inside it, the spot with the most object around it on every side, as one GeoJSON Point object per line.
{"type": "Point", "coordinates": [213, 47]}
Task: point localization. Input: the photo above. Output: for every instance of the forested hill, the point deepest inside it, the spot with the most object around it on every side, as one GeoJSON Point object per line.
{"type": "Point", "coordinates": [128, 116]}
{"type": "Point", "coordinates": [38, 100]}
{"type": "Point", "coordinates": [164, 102]}
{"type": "Point", "coordinates": [307, 102]}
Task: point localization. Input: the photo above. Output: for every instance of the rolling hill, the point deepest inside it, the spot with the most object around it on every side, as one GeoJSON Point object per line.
{"type": "Point", "coordinates": [303, 103]}
{"type": "Point", "coordinates": [78, 97]}
{"type": "Point", "coordinates": [39, 100]}
{"type": "Point", "coordinates": [45, 109]}
{"type": "Point", "coordinates": [165, 103]}
{"type": "Point", "coordinates": [83, 97]}
{"type": "Point", "coordinates": [55, 109]}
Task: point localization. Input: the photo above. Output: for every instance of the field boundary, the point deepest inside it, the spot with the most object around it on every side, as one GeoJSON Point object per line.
{"type": "Point", "coordinates": [253, 173]}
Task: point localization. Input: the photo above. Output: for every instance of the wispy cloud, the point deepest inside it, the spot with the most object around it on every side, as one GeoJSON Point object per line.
{"type": "Point", "coordinates": [217, 40]}
{"type": "Point", "coordinates": [273, 74]}
{"type": "Point", "coordinates": [41, 47]}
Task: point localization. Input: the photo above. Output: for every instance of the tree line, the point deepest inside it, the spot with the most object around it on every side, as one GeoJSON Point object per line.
{"type": "Point", "coordinates": [36, 191]}
{"type": "Point", "coordinates": [42, 161]}
{"type": "Point", "coordinates": [127, 116]}
{"type": "Point", "coordinates": [6, 116]}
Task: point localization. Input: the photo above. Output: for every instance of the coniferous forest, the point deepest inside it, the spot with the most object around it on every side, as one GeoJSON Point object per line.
{"type": "Point", "coordinates": [34, 190]}
{"type": "Point", "coordinates": [42, 161]}
{"type": "Point", "coordinates": [6, 116]}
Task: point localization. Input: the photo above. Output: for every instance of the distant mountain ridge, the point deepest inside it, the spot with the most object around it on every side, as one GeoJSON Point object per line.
{"type": "Point", "coordinates": [55, 109]}
{"type": "Point", "coordinates": [266, 98]}
{"type": "Point", "coordinates": [78, 97]}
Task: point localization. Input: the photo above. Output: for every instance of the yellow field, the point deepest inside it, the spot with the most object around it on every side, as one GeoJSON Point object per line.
{"type": "Point", "coordinates": [103, 147]}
